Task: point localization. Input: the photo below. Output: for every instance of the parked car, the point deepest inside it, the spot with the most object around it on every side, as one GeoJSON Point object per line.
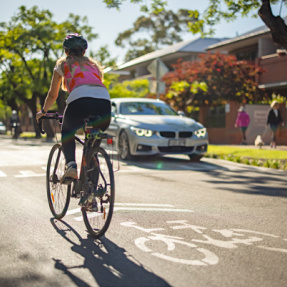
{"type": "Point", "coordinates": [143, 127]}
{"type": "Point", "coordinates": [2, 128]}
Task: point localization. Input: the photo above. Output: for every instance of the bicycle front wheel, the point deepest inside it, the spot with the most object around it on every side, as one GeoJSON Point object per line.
{"type": "Point", "coordinates": [98, 222]}
{"type": "Point", "coordinates": [58, 194]}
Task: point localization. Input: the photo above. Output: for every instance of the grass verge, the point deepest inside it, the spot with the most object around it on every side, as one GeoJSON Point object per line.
{"type": "Point", "coordinates": [276, 159]}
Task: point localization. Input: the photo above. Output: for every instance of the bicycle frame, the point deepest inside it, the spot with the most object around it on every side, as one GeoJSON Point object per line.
{"type": "Point", "coordinates": [95, 186]}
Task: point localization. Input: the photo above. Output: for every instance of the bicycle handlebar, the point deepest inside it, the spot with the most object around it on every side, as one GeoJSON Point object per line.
{"type": "Point", "coordinates": [49, 116]}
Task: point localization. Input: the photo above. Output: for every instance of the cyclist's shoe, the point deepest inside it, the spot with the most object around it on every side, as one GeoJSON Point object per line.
{"type": "Point", "coordinates": [88, 202]}
{"type": "Point", "coordinates": [70, 174]}
{"type": "Point", "coordinates": [83, 200]}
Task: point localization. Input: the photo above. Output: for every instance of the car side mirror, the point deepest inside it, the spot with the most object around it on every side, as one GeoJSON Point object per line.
{"type": "Point", "coordinates": [181, 113]}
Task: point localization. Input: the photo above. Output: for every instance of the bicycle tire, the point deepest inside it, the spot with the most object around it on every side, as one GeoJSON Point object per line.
{"type": "Point", "coordinates": [58, 194]}
{"type": "Point", "coordinates": [98, 222]}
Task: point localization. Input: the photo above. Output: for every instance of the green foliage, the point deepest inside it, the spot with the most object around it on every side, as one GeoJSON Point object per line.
{"type": "Point", "coordinates": [253, 153]}
{"type": "Point", "coordinates": [155, 30]}
{"type": "Point", "coordinates": [227, 10]}
{"type": "Point", "coordinates": [128, 89]}
{"type": "Point", "coordinates": [156, 6]}
{"type": "Point", "coordinates": [257, 157]}
{"type": "Point", "coordinates": [30, 44]}
{"type": "Point", "coordinates": [212, 79]}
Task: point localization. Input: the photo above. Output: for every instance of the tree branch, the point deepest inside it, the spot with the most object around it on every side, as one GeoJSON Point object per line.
{"type": "Point", "coordinates": [276, 24]}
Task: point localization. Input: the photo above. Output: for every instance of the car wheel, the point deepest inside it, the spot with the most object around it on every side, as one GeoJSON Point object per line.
{"type": "Point", "coordinates": [195, 157]}
{"type": "Point", "coordinates": [124, 147]}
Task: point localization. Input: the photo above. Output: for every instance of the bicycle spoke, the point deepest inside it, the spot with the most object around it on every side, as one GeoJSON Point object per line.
{"type": "Point", "coordinates": [98, 222]}
{"type": "Point", "coordinates": [58, 194]}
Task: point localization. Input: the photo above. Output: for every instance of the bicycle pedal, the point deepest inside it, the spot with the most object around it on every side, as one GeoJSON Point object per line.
{"type": "Point", "coordinates": [92, 209]}
{"type": "Point", "coordinates": [66, 180]}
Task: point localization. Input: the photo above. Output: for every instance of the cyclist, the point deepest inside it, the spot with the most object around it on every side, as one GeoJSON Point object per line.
{"type": "Point", "coordinates": [82, 78]}
{"type": "Point", "coordinates": [14, 124]}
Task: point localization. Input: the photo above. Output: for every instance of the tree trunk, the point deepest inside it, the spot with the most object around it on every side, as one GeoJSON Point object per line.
{"type": "Point", "coordinates": [32, 105]}
{"type": "Point", "coordinates": [276, 24]}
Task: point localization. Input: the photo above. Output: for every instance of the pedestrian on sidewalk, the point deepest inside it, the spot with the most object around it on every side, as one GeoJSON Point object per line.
{"type": "Point", "coordinates": [242, 121]}
{"type": "Point", "coordinates": [274, 120]}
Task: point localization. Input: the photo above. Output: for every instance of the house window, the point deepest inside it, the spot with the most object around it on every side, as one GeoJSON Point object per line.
{"type": "Point", "coordinates": [215, 117]}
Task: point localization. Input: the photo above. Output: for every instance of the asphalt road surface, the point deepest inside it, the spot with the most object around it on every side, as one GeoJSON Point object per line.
{"type": "Point", "coordinates": [176, 223]}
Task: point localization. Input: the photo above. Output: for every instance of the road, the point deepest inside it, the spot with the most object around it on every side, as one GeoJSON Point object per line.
{"type": "Point", "coordinates": [176, 223]}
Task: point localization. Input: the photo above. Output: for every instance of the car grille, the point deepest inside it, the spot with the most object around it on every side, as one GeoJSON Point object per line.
{"type": "Point", "coordinates": [185, 134]}
{"type": "Point", "coordinates": [167, 134]}
{"type": "Point", "coordinates": [175, 149]}
{"type": "Point", "coordinates": [172, 135]}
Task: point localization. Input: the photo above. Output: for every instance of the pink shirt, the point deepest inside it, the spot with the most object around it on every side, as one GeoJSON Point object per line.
{"type": "Point", "coordinates": [81, 75]}
{"type": "Point", "coordinates": [243, 119]}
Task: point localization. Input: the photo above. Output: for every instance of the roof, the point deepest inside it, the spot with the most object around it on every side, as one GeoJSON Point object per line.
{"type": "Point", "coordinates": [197, 45]}
{"type": "Point", "coordinates": [262, 30]}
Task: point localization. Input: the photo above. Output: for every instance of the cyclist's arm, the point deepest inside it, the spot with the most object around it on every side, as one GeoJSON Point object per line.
{"type": "Point", "coordinates": [52, 93]}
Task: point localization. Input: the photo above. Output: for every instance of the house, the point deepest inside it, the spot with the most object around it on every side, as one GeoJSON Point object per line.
{"type": "Point", "coordinates": [257, 46]}
{"type": "Point", "coordinates": [185, 50]}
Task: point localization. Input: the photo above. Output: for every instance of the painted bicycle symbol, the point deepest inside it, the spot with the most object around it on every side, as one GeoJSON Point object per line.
{"type": "Point", "coordinates": [229, 239]}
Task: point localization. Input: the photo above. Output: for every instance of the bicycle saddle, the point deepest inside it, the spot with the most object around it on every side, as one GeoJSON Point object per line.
{"type": "Point", "coordinates": [92, 120]}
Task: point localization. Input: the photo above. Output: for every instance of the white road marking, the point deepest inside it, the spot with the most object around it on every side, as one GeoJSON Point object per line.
{"type": "Point", "coordinates": [273, 249]}
{"type": "Point", "coordinates": [143, 204]}
{"type": "Point", "coordinates": [135, 207]}
{"type": "Point", "coordinates": [152, 209]}
{"type": "Point", "coordinates": [2, 174]}
{"type": "Point", "coordinates": [29, 173]}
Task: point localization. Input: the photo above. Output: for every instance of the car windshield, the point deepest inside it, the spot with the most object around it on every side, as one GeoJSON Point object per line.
{"type": "Point", "coordinates": [146, 108]}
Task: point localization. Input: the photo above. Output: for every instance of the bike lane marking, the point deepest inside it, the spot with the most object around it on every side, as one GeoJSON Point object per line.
{"type": "Point", "coordinates": [231, 239]}
{"type": "Point", "coordinates": [28, 173]}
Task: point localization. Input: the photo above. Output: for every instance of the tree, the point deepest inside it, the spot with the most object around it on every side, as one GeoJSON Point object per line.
{"type": "Point", "coordinates": [218, 10]}
{"type": "Point", "coordinates": [213, 79]}
{"type": "Point", "coordinates": [30, 44]}
{"type": "Point", "coordinates": [161, 29]}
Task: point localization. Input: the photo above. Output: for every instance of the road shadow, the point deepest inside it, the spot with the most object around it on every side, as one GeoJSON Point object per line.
{"type": "Point", "coordinates": [168, 163]}
{"type": "Point", "coordinates": [109, 264]}
{"type": "Point", "coordinates": [249, 181]}
{"type": "Point", "coordinates": [237, 178]}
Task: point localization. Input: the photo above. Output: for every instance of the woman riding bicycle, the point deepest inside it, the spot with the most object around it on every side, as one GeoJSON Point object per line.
{"type": "Point", "coordinates": [82, 77]}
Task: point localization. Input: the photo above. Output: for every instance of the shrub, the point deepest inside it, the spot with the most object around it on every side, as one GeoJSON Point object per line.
{"type": "Point", "coordinates": [275, 164]}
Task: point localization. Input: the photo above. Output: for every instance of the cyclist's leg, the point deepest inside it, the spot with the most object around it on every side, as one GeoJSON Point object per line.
{"type": "Point", "coordinates": [74, 114]}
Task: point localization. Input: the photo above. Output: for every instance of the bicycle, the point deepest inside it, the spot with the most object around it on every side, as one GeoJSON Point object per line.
{"type": "Point", "coordinates": [95, 183]}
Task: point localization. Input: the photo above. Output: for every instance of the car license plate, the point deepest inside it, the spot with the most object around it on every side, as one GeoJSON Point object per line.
{"type": "Point", "coordinates": [176, 143]}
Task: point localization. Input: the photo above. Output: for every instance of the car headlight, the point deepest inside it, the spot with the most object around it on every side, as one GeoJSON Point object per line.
{"type": "Point", "coordinates": [200, 133]}
{"type": "Point", "coordinates": [142, 132]}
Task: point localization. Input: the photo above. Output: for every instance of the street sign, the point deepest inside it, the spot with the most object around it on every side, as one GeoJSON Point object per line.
{"type": "Point", "coordinates": [154, 89]}
{"type": "Point", "coordinates": [157, 68]}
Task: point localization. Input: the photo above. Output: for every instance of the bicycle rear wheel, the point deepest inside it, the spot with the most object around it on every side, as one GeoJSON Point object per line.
{"type": "Point", "coordinates": [58, 194]}
{"type": "Point", "coordinates": [98, 222]}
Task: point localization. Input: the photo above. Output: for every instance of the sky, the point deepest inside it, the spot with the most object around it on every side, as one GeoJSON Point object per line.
{"type": "Point", "coordinates": [108, 23]}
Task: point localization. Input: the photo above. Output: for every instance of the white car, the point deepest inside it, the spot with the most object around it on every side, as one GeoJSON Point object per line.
{"type": "Point", "coordinates": [144, 127]}
{"type": "Point", "coordinates": [2, 128]}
